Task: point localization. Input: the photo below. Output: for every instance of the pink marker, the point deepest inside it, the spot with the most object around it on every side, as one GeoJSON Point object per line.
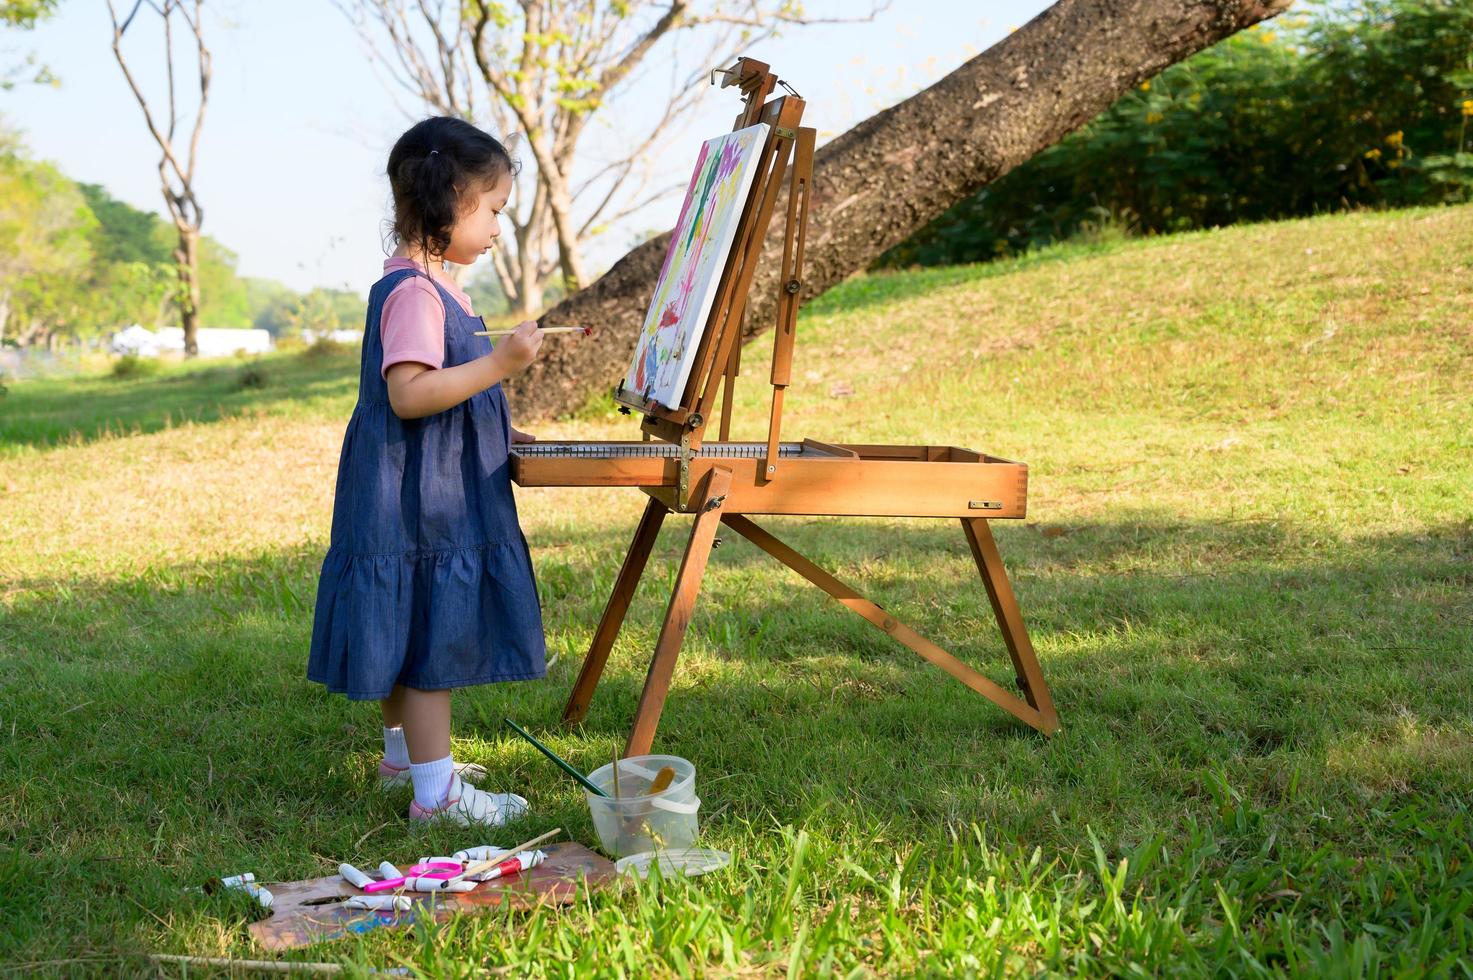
{"type": "Point", "coordinates": [431, 869]}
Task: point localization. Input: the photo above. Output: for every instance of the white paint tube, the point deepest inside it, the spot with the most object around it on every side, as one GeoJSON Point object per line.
{"type": "Point", "coordinates": [387, 870]}
{"type": "Point", "coordinates": [380, 903]}
{"type": "Point", "coordinates": [512, 865]}
{"type": "Point", "coordinates": [446, 860]}
{"type": "Point", "coordinates": [353, 876]}
{"type": "Point", "coordinates": [425, 884]}
{"type": "Point", "coordinates": [247, 883]}
{"type": "Point", "coordinates": [482, 852]}
{"type": "Point", "coordinates": [257, 892]}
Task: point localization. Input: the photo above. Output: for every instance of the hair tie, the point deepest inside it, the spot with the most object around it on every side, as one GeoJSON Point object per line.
{"type": "Point", "coordinates": [433, 152]}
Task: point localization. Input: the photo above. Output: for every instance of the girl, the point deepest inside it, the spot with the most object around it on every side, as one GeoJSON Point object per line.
{"type": "Point", "coordinates": [428, 584]}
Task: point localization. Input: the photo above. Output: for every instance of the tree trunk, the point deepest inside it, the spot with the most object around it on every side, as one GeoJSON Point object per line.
{"type": "Point", "coordinates": [560, 202]}
{"type": "Point", "coordinates": [888, 176]}
{"type": "Point", "coordinates": [186, 257]}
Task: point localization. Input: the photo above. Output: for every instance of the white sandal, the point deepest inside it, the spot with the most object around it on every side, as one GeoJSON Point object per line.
{"type": "Point", "coordinates": [466, 805]}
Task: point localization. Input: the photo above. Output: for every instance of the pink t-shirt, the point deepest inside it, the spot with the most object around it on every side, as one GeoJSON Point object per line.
{"type": "Point", "coordinates": [412, 323]}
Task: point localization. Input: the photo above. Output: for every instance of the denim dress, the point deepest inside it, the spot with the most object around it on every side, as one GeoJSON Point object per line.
{"type": "Point", "coordinates": [427, 581]}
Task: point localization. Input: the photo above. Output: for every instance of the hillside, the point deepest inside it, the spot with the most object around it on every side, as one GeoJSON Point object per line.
{"type": "Point", "coordinates": [1246, 569]}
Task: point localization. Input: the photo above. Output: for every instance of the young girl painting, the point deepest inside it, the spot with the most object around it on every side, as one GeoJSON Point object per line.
{"type": "Point", "coordinates": [427, 584]}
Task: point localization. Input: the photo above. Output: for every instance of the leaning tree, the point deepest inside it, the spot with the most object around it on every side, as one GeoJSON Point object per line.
{"type": "Point", "coordinates": [888, 176]}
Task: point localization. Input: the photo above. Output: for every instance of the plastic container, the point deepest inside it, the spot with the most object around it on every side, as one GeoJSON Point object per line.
{"type": "Point", "coordinates": [637, 822]}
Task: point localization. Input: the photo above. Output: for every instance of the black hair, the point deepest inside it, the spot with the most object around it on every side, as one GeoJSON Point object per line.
{"type": "Point", "coordinates": [435, 169]}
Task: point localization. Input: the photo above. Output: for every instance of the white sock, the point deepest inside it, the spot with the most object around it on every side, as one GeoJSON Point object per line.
{"type": "Point", "coordinates": [431, 781]}
{"type": "Point", "coordinates": [396, 750]}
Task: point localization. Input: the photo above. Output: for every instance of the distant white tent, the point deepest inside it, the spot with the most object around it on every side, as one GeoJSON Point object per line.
{"type": "Point", "coordinates": [135, 340]}
{"type": "Point", "coordinates": [345, 336]}
{"type": "Point", "coordinates": [212, 341]}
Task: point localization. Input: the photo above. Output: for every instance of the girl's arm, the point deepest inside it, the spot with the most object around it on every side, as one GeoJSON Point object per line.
{"type": "Point", "coordinates": [417, 390]}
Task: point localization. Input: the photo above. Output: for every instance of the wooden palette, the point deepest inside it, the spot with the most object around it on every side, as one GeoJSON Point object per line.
{"type": "Point", "coordinates": [311, 911]}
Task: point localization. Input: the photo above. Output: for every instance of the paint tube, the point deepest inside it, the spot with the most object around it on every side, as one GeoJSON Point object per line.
{"type": "Point", "coordinates": [522, 862]}
{"type": "Point", "coordinates": [380, 903]}
{"type": "Point", "coordinates": [486, 852]}
{"type": "Point", "coordinates": [353, 876]}
{"type": "Point", "coordinates": [456, 859]}
{"type": "Point", "coordinates": [483, 852]}
{"type": "Point", "coordinates": [244, 882]}
{"type": "Point", "coordinates": [425, 884]}
{"type": "Point", "coordinates": [387, 870]}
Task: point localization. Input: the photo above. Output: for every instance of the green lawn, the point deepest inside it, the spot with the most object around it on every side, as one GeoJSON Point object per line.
{"type": "Point", "coordinates": [1248, 571]}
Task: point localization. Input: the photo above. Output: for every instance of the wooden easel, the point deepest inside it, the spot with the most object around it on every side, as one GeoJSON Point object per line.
{"type": "Point", "coordinates": [723, 482]}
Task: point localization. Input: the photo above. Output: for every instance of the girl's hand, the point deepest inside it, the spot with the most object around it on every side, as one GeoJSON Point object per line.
{"type": "Point", "coordinates": [518, 436]}
{"type": "Point", "coordinates": [519, 348]}
{"type": "Point", "coordinates": [417, 390]}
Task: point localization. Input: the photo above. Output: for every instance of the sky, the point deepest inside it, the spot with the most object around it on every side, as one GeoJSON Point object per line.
{"type": "Point", "coordinates": [299, 123]}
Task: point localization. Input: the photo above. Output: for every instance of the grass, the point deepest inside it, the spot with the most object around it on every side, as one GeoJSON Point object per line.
{"type": "Point", "coordinates": [1247, 572]}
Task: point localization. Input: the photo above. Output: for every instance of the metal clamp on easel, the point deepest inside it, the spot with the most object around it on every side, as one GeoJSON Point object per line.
{"type": "Point", "coordinates": [687, 453]}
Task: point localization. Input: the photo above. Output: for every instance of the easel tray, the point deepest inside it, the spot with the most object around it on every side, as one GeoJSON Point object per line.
{"type": "Point", "coordinates": [811, 477]}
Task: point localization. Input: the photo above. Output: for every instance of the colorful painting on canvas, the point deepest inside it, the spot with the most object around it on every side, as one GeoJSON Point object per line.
{"type": "Point", "coordinates": [690, 276]}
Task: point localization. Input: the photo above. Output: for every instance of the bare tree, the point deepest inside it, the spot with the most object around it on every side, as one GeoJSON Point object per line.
{"type": "Point", "coordinates": [176, 176]}
{"type": "Point", "coordinates": [874, 185]}
{"type": "Point", "coordinates": [544, 68]}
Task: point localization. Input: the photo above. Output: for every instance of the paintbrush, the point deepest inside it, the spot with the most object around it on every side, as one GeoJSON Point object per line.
{"type": "Point", "coordinates": [555, 758]}
{"type": "Point", "coordinates": [580, 331]}
{"type": "Point", "coordinates": [489, 863]}
{"type": "Point", "coordinates": [662, 782]}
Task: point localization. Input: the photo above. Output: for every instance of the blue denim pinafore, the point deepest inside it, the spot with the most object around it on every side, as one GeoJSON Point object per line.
{"type": "Point", "coordinates": [427, 581]}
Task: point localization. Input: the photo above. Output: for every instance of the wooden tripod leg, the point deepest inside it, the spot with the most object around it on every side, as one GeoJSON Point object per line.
{"type": "Point", "coordinates": [677, 616]}
{"type": "Point", "coordinates": [1010, 620]}
{"type": "Point", "coordinates": [608, 627]}
{"type": "Point", "coordinates": [897, 630]}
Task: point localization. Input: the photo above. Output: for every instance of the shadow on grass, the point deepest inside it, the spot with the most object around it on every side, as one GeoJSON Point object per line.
{"type": "Point", "coordinates": [55, 411]}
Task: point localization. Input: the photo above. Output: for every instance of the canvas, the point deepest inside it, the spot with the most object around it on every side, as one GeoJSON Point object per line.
{"type": "Point", "coordinates": [690, 277]}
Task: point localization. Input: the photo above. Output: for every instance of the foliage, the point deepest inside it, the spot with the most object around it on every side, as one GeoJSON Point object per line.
{"type": "Point", "coordinates": [127, 234]}
{"type": "Point", "coordinates": [324, 347]}
{"type": "Point", "coordinates": [1368, 104]}
{"type": "Point", "coordinates": [269, 302]}
{"type": "Point", "coordinates": [321, 311]}
{"type": "Point", "coordinates": [78, 263]}
{"type": "Point", "coordinates": [46, 230]}
{"type": "Point", "coordinates": [488, 297]}
{"type": "Point", "coordinates": [224, 298]}
{"type": "Point", "coordinates": [131, 366]}
{"type": "Point", "coordinates": [252, 375]}
{"type": "Point", "coordinates": [24, 15]}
